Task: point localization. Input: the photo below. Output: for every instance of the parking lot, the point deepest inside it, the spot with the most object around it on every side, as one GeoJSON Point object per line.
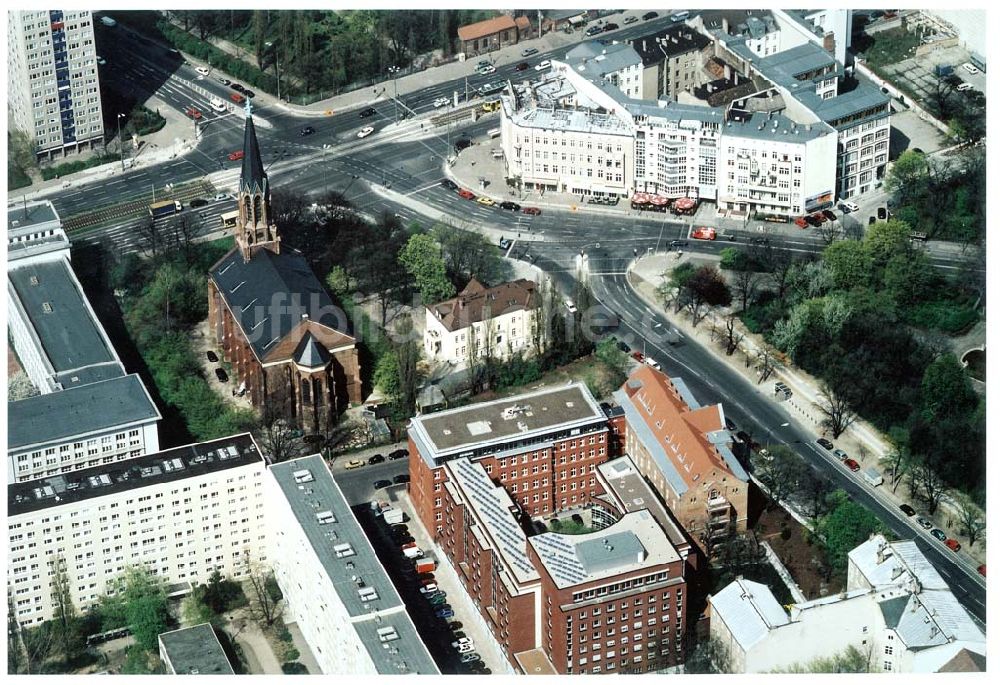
{"type": "Point", "coordinates": [436, 632]}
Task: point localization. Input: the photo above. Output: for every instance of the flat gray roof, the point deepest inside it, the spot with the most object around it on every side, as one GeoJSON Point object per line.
{"type": "Point", "coordinates": [630, 489]}
{"type": "Point", "coordinates": [21, 215]}
{"type": "Point", "coordinates": [139, 472]}
{"type": "Point", "coordinates": [521, 417]}
{"type": "Point", "coordinates": [196, 651]}
{"type": "Point", "coordinates": [53, 301]}
{"type": "Point", "coordinates": [357, 575]}
{"type": "Point", "coordinates": [57, 416]}
{"type": "Point", "coordinates": [776, 127]}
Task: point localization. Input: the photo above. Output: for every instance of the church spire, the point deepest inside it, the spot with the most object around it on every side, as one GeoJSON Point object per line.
{"type": "Point", "coordinates": [254, 228]}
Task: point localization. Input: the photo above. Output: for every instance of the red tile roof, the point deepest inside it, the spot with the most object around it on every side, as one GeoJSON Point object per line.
{"type": "Point", "coordinates": [484, 28]}
{"type": "Point", "coordinates": [468, 306]}
{"type": "Point", "coordinates": [679, 429]}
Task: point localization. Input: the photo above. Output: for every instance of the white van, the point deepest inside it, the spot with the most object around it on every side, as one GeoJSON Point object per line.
{"type": "Point", "coordinates": [680, 16]}
{"type": "Point", "coordinates": [108, 21]}
{"type": "Point", "coordinates": [494, 132]}
{"type": "Point", "coordinates": [873, 477]}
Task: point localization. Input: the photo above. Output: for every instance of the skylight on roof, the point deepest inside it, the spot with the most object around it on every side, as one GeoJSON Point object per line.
{"type": "Point", "coordinates": [479, 427]}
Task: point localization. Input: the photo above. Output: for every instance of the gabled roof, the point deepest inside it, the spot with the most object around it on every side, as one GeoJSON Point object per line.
{"type": "Point", "coordinates": [682, 441]}
{"type": "Point", "coordinates": [484, 28]}
{"type": "Point", "coordinates": [749, 610]}
{"type": "Point", "coordinates": [310, 353]}
{"type": "Point", "coordinates": [252, 176]}
{"type": "Point", "coordinates": [470, 306]}
{"type": "Point", "coordinates": [274, 295]}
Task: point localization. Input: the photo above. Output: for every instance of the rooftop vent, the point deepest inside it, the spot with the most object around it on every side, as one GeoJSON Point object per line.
{"type": "Point", "coordinates": [387, 634]}
{"type": "Point", "coordinates": [343, 550]}
{"type": "Point", "coordinates": [46, 307]}
{"type": "Point", "coordinates": [34, 280]}
{"type": "Point", "coordinates": [367, 594]}
{"type": "Point", "coordinates": [303, 476]}
{"type": "Point", "coordinates": [325, 517]}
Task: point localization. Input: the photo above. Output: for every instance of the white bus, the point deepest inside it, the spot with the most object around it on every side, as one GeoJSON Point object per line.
{"type": "Point", "coordinates": [229, 219]}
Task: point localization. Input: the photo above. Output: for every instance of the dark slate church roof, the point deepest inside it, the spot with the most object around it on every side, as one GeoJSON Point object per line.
{"type": "Point", "coordinates": [270, 294]}
{"type": "Point", "coordinates": [252, 176]}
{"type": "Point", "coordinates": [310, 352]}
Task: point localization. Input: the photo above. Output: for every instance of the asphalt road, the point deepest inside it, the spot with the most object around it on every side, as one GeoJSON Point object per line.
{"type": "Point", "coordinates": [554, 241]}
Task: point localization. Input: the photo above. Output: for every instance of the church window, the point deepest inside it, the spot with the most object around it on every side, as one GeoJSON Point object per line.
{"type": "Point", "coordinates": [306, 390]}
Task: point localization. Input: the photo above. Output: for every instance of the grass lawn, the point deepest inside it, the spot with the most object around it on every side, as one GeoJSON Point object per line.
{"type": "Point", "coordinates": [890, 47]}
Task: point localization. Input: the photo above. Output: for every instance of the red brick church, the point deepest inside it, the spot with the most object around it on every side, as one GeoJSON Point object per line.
{"type": "Point", "coordinates": [289, 345]}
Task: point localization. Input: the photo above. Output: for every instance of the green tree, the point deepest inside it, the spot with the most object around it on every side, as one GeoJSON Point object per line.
{"type": "Point", "coordinates": [849, 263]}
{"type": "Point", "coordinates": [886, 239]}
{"type": "Point", "coordinates": [65, 623]}
{"type": "Point", "coordinates": [710, 655]}
{"type": "Point", "coordinates": [194, 610]}
{"type": "Point", "coordinates": [614, 359]}
{"type": "Point", "coordinates": [15, 650]}
{"type": "Point", "coordinates": [908, 277]}
{"type": "Point", "coordinates": [21, 150]}
{"type": "Point", "coordinates": [421, 257]}
{"type": "Point", "coordinates": [671, 288]}
{"type": "Point", "coordinates": [946, 390]}
{"type": "Point", "coordinates": [469, 254]}
{"type": "Point", "coordinates": [781, 471]}
{"type": "Point", "coordinates": [139, 602]}
{"type": "Point", "coordinates": [851, 660]}
{"type": "Point", "coordinates": [20, 387]}
{"type": "Point", "coordinates": [846, 526]}
{"type": "Point", "coordinates": [908, 178]}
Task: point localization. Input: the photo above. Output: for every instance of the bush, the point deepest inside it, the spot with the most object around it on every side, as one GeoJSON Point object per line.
{"type": "Point", "coordinates": [294, 668]}
{"type": "Point", "coordinates": [60, 170]}
{"type": "Point", "coordinates": [16, 178]}
{"type": "Point", "coordinates": [943, 315]}
{"type": "Point", "coordinates": [204, 50]}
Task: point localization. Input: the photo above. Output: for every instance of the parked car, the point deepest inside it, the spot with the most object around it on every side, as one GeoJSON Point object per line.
{"type": "Point", "coordinates": [367, 112]}
{"type": "Point", "coordinates": [381, 484]}
{"type": "Point", "coordinates": [533, 211]}
{"type": "Point", "coordinates": [652, 362]}
{"type": "Point", "coordinates": [523, 66]}
{"type": "Point", "coordinates": [630, 20]}
{"type": "Point", "coordinates": [592, 31]}
{"type": "Point", "coordinates": [307, 131]}
{"type": "Point", "coordinates": [924, 523]}
{"type": "Point", "coordinates": [469, 657]}
{"type": "Point", "coordinates": [461, 144]}
{"type": "Point", "coordinates": [970, 68]}
{"type": "Point", "coordinates": [840, 454]}
{"type": "Point", "coordinates": [623, 346]}
{"type": "Point", "coordinates": [398, 454]}
{"type": "Point", "coordinates": [512, 206]}
{"type": "Point", "coordinates": [354, 464]}
{"type": "Point", "coordinates": [444, 612]}
{"type": "Point", "coordinates": [703, 233]}
{"type": "Point", "coordinates": [982, 570]}
{"type": "Point", "coordinates": [847, 207]}
{"type": "Point", "coordinates": [462, 641]}
{"type": "Point", "coordinates": [650, 15]}
{"type": "Point", "coordinates": [852, 465]}
{"type": "Point", "coordinates": [570, 307]}
{"type": "Point", "coordinates": [939, 534]}
{"type": "Point", "coordinates": [366, 131]}
{"type": "Point", "coordinates": [202, 70]}
{"type": "Point", "coordinates": [488, 201]}
{"type": "Point", "coordinates": [249, 93]}
{"type": "Point", "coordinates": [223, 80]}
{"type": "Point", "coordinates": [907, 509]}
{"type": "Point", "coordinates": [466, 194]}
{"type": "Point", "coordinates": [437, 599]}
{"type": "Point", "coordinates": [801, 222]}
{"type": "Point", "coordinates": [221, 375]}
{"type": "Point", "coordinates": [824, 443]}
{"type": "Point", "coordinates": [638, 356]}
{"type": "Point", "coordinates": [236, 156]}
{"type": "Point", "coordinates": [376, 459]}
{"type": "Point", "coordinates": [449, 184]}
{"type": "Point", "coordinates": [962, 87]}
{"type": "Point", "coordinates": [543, 65]}
{"type": "Point", "coordinates": [953, 544]}
{"type": "Point", "coordinates": [829, 215]}
{"type": "Point", "coordinates": [504, 243]}
{"type": "Point", "coordinates": [401, 478]}
{"type": "Point", "coordinates": [212, 356]}
{"type": "Point", "coordinates": [528, 52]}
{"type": "Point", "coordinates": [882, 213]}
{"type": "Point", "coordinates": [455, 625]}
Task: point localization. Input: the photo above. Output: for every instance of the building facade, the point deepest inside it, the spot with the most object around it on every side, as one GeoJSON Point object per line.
{"type": "Point", "coordinates": [54, 92]}
{"type": "Point", "coordinates": [682, 449]}
{"type": "Point", "coordinates": [480, 322]}
{"type": "Point", "coordinates": [69, 360]}
{"type": "Point", "coordinates": [896, 611]}
{"type": "Point", "coordinates": [289, 345]}
{"type": "Point", "coordinates": [543, 447]}
{"type": "Point", "coordinates": [492, 34]}
{"type": "Point", "coordinates": [672, 62]}
{"type": "Point", "coordinates": [335, 587]}
{"type": "Point", "coordinates": [182, 513]}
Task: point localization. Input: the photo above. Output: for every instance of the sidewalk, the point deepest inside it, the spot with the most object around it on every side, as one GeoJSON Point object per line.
{"type": "Point", "coordinates": [862, 441]}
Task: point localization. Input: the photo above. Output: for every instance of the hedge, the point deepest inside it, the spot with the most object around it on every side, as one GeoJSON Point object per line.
{"type": "Point", "coordinates": [59, 170]}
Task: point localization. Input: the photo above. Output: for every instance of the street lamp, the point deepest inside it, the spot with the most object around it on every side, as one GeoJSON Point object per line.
{"type": "Point", "coordinates": [394, 70]}
{"type": "Point", "coordinates": [121, 146]}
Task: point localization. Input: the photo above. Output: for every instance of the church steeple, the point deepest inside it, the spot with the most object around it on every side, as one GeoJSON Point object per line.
{"type": "Point", "coordinates": [254, 228]}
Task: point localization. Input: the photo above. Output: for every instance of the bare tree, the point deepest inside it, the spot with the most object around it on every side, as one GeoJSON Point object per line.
{"type": "Point", "coordinates": [149, 234]}
{"type": "Point", "coordinates": [781, 471]}
{"type": "Point", "coordinates": [63, 612]}
{"type": "Point", "coordinates": [780, 262]}
{"type": "Point", "coordinates": [710, 655]}
{"type": "Point", "coordinates": [277, 438]}
{"type": "Point", "coordinates": [733, 337]}
{"type": "Point", "coordinates": [970, 519]}
{"type": "Point", "coordinates": [746, 282]}
{"type": "Point", "coordinates": [15, 648]}
{"type": "Point", "coordinates": [853, 229]}
{"type": "Point", "coordinates": [765, 363]}
{"type": "Point", "coordinates": [836, 409]}
{"type": "Point", "coordinates": [925, 483]}
{"type": "Point", "coordinates": [897, 464]}
{"type": "Point", "coordinates": [264, 598]}
{"type": "Point", "coordinates": [828, 232]}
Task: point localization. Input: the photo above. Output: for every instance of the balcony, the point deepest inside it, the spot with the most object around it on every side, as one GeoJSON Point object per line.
{"type": "Point", "coordinates": [717, 504]}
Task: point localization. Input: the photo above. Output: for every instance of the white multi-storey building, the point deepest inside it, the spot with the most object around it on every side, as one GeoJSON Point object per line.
{"type": "Point", "coordinates": [183, 513]}
{"type": "Point", "coordinates": [69, 359]}
{"type": "Point", "coordinates": [52, 83]}
{"type": "Point", "coordinates": [336, 588]}
{"type": "Point", "coordinates": [896, 610]}
{"type": "Point", "coordinates": [499, 322]}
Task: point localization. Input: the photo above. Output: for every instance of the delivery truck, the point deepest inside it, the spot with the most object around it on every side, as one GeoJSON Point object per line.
{"type": "Point", "coordinates": [426, 564]}
{"type": "Point", "coordinates": [873, 477]}
{"type": "Point", "coordinates": [165, 208]}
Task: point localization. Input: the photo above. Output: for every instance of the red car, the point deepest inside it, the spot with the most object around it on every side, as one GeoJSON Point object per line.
{"type": "Point", "coordinates": [533, 211]}
{"type": "Point", "coordinates": [852, 465]}
{"type": "Point", "coordinates": [703, 233]}
{"type": "Point", "coordinates": [982, 570]}
{"type": "Point", "coordinates": [236, 97]}
{"type": "Point", "coordinates": [236, 156]}
{"type": "Point", "coordinates": [638, 356]}
{"type": "Point", "coordinates": [193, 113]}
{"type": "Point", "coordinates": [953, 544]}
{"type": "Point", "coordinates": [801, 222]}
{"type": "Point", "coordinates": [467, 194]}
{"type": "Point", "coordinates": [820, 217]}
